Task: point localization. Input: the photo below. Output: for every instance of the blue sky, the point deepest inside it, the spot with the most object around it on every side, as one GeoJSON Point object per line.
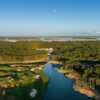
{"type": "Point", "coordinates": [49, 17]}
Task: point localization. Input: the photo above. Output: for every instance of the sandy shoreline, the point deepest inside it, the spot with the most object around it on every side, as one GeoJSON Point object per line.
{"type": "Point", "coordinates": [83, 89]}
{"type": "Point", "coordinates": [23, 62]}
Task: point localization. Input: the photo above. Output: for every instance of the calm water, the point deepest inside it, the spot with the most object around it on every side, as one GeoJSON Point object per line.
{"type": "Point", "coordinates": [59, 87]}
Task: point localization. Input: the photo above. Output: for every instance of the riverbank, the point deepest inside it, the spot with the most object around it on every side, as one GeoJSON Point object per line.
{"type": "Point", "coordinates": [84, 89]}
{"type": "Point", "coordinates": [15, 76]}
{"type": "Point", "coordinates": [54, 62]}
{"type": "Point", "coordinates": [20, 83]}
{"type": "Point", "coordinates": [32, 91]}
{"type": "Point", "coordinates": [25, 62]}
{"type": "Point", "coordinates": [78, 85]}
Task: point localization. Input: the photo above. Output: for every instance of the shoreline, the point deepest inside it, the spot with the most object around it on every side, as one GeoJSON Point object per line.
{"type": "Point", "coordinates": [24, 62]}
{"type": "Point", "coordinates": [54, 62]}
{"type": "Point", "coordinates": [83, 89]}
{"type": "Point", "coordinates": [67, 73]}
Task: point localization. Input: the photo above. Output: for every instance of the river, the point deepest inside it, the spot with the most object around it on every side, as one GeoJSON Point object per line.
{"type": "Point", "coordinates": [60, 87]}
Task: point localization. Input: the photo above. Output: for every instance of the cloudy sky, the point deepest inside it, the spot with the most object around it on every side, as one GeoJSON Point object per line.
{"type": "Point", "coordinates": [49, 17]}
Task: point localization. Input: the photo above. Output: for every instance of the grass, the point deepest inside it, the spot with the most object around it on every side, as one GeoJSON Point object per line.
{"type": "Point", "coordinates": [20, 75]}
{"type": "Point", "coordinates": [18, 81]}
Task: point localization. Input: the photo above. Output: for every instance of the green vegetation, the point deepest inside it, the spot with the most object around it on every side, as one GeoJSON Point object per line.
{"type": "Point", "coordinates": [20, 51]}
{"type": "Point", "coordinates": [81, 57]}
{"type": "Point", "coordinates": [19, 81]}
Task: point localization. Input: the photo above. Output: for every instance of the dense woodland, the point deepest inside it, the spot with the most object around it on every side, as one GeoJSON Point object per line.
{"type": "Point", "coordinates": [20, 51]}
{"type": "Point", "coordinates": [72, 51]}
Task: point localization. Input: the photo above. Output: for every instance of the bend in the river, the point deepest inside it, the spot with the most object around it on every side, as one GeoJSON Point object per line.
{"type": "Point", "coordinates": [60, 87]}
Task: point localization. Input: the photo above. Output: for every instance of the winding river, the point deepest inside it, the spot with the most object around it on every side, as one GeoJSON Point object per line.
{"type": "Point", "coordinates": [60, 87]}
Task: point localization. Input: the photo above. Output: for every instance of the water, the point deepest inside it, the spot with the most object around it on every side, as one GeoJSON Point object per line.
{"type": "Point", "coordinates": [59, 87]}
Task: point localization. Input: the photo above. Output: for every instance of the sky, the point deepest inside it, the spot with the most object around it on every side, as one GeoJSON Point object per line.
{"type": "Point", "coordinates": [49, 17]}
